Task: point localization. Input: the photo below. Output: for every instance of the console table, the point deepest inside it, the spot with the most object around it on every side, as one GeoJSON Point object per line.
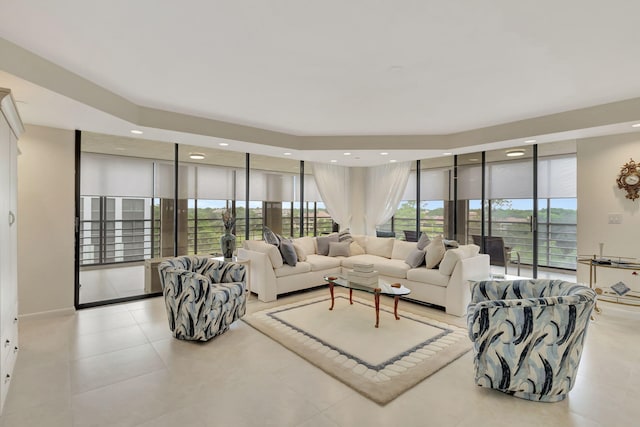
{"type": "Point", "coordinates": [618, 263]}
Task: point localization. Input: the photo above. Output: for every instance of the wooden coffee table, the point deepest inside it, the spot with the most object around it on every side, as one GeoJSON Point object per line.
{"type": "Point", "coordinates": [396, 290]}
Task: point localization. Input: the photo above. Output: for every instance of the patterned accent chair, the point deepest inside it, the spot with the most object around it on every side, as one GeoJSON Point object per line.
{"type": "Point", "coordinates": [202, 296]}
{"type": "Point", "coordinates": [528, 335]}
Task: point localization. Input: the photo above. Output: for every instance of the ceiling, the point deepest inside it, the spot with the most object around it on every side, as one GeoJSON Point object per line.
{"type": "Point", "coordinates": [413, 78]}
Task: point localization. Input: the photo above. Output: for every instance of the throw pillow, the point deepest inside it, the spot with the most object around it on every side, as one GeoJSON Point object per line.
{"type": "Point", "coordinates": [451, 258]}
{"type": "Point", "coordinates": [288, 252]}
{"type": "Point", "coordinates": [356, 249]}
{"type": "Point", "coordinates": [345, 236]}
{"type": "Point", "coordinates": [323, 243]}
{"type": "Point", "coordinates": [269, 236]}
{"type": "Point", "coordinates": [300, 252]}
{"type": "Point", "coordinates": [423, 241]}
{"type": "Point", "coordinates": [339, 249]}
{"type": "Point", "coordinates": [450, 244]}
{"type": "Point", "coordinates": [415, 258]}
{"type": "Point", "coordinates": [435, 251]}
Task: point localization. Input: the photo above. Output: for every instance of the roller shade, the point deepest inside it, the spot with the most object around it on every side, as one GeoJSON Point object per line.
{"type": "Point", "coordinates": [557, 177]}
{"type": "Point", "coordinates": [115, 176]}
{"type": "Point", "coordinates": [470, 182]}
{"type": "Point", "coordinates": [214, 183]}
{"type": "Point", "coordinates": [434, 184]}
{"type": "Point", "coordinates": [510, 180]}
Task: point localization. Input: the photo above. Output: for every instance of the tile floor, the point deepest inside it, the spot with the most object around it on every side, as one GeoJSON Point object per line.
{"type": "Point", "coordinates": [119, 366]}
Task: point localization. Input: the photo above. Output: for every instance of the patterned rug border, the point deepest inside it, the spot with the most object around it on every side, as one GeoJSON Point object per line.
{"type": "Point", "coordinates": [381, 384]}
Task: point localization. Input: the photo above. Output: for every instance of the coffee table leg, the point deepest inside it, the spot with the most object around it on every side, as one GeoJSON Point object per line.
{"type": "Point", "coordinates": [377, 301]}
{"type": "Point", "coordinates": [395, 307]}
{"type": "Point", "coordinates": [331, 292]}
{"type": "Point", "coordinates": [350, 296]}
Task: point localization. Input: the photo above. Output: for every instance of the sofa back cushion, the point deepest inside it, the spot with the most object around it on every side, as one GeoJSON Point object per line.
{"type": "Point", "coordinates": [452, 256]}
{"type": "Point", "coordinates": [300, 252]}
{"type": "Point", "coordinates": [380, 246]}
{"type": "Point", "coordinates": [308, 244]}
{"type": "Point", "coordinates": [356, 249]}
{"type": "Point", "coordinates": [401, 249]}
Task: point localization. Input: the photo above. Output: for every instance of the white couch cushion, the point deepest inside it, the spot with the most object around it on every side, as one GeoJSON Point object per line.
{"type": "Point", "coordinates": [272, 251]}
{"type": "Point", "coordinates": [321, 262]}
{"type": "Point", "coordinates": [356, 249]}
{"type": "Point", "coordinates": [307, 243]}
{"type": "Point", "coordinates": [428, 275]}
{"type": "Point", "coordinates": [452, 256]}
{"type": "Point", "coordinates": [392, 268]}
{"type": "Point", "coordinates": [359, 259]}
{"type": "Point", "coordinates": [401, 249]}
{"type": "Point", "coordinates": [287, 270]}
{"type": "Point", "coordinates": [381, 246]}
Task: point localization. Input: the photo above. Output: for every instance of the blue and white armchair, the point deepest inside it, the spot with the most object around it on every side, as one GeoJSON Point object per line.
{"type": "Point", "coordinates": [202, 296]}
{"type": "Point", "coordinates": [528, 335]}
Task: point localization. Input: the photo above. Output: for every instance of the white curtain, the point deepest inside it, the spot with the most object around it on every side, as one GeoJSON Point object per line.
{"type": "Point", "coordinates": [333, 185]}
{"type": "Point", "coordinates": [384, 189]}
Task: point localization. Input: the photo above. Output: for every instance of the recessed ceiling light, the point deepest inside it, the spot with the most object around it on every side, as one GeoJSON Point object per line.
{"type": "Point", "coordinates": [473, 160]}
{"type": "Point", "coordinates": [347, 154]}
{"type": "Point", "coordinates": [196, 156]}
{"type": "Point", "coordinates": [530, 141]}
{"type": "Point", "coordinates": [515, 153]}
{"type": "Point", "coordinates": [287, 154]}
{"type": "Point", "coordinates": [447, 154]}
{"type": "Point", "coordinates": [334, 161]}
{"type": "Point", "coordinates": [137, 132]}
{"type": "Point", "coordinates": [384, 153]}
{"type": "Point", "coordinates": [635, 125]}
{"type": "Point", "coordinates": [120, 148]}
{"type": "Point", "coordinates": [223, 144]}
{"type": "Point", "coordinates": [392, 161]}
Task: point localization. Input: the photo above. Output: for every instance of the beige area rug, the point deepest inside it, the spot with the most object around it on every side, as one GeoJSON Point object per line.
{"type": "Point", "coordinates": [379, 363]}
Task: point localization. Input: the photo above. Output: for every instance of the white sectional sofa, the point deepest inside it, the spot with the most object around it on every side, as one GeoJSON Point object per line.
{"type": "Point", "coordinates": [446, 285]}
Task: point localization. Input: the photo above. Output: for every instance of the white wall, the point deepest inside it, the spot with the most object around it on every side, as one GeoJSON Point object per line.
{"type": "Point", "coordinates": [599, 162]}
{"type": "Point", "coordinates": [46, 220]}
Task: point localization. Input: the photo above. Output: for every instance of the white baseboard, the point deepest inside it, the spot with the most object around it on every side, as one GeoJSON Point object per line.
{"type": "Point", "coordinates": [70, 311]}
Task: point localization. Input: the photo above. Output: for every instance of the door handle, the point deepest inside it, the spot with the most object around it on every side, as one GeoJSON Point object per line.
{"type": "Point", "coordinates": [12, 218]}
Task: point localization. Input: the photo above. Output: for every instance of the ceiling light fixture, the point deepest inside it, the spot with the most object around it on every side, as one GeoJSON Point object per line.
{"type": "Point", "coordinates": [334, 161]}
{"type": "Point", "coordinates": [530, 141]}
{"type": "Point", "coordinates": [223, 144]}
{"type": "Point", "coordinates": [392, 161]}
{"type": "Point", "coordinates": [196, 156]}
{"type": "Point", "coordinates": [384, 153]}
{"type": "Point", "coordinates": [136, 132]}
{"type": "Point", "coordinates": [635, 125]}
{"type": "Point", "coordinates": [347, 154]}
{"type": "Point", "coordinates": [473, 160]}
{"type": "Point", "coordinates": [515, 153]}
{"type": "Point", "coordinates": [447, 154]}
{"type": "Point", "coordinates": [287, 154]}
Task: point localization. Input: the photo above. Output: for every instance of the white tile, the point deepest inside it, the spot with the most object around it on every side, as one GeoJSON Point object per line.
{"type": "Point", "coordinates": [51, 415]}
{"type": "Point", "coordinates": [106, 341]}
{"type": "Point", "coordinates": [109, 368]}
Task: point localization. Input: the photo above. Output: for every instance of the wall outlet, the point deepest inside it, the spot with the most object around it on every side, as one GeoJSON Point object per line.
{"type": "Point", "coordinates": [615, 218]}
